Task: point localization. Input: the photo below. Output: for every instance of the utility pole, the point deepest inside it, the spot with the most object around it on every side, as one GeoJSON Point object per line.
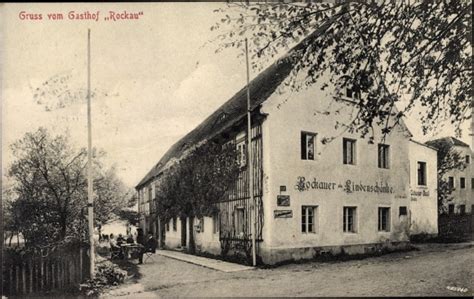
{"type": "Point", "coordinates": [250, 166]}
{"type": "Point", "coordinates": [90, 202]}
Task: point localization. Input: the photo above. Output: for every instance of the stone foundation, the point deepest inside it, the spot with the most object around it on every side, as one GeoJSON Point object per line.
{"type": "Point", "coordinates": [271, 256]}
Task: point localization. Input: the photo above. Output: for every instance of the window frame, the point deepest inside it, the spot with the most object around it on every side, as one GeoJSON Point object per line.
{"type": "Point", "coordinates": [383, 153]}
{"type": "Point", "coordinates": [201, 224]}
{"type": "Point", "coordinates": [451, 209]}
{"type": "Point", "coordinates": [175, 224]}
{"type": "Point", "coordinates": [384, 214]}
{"type": "Point", "coordinates": [345, 220]}
{"type": "Point", "coordinates": [239, 221]}
{"type": "Point", "coordinates": [241, 147]}
{"type": "Point", "coordinates": [462, 183]}
{"type": "Point", "coordinates": [451, 183]}
{"type": "Point", "coordinates": [215, 223]}
{"type": "Point", "coordinates": [400, 211]}
{"type": "Point", "coordinates": [424, 178]}
{"type": "Point", "coordinates": [352, 151]}
{"type": "Point", "coordinates": [309, 212]}
{"type": "Point", "coordinates": [353, 94]}
{"type": "Point", "coordinates": [304, 149]}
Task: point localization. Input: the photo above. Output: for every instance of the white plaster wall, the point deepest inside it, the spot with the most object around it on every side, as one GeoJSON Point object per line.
{"type": "Point", "coordinates": [289, 114]}
{"type": "Point", "coordinates": [423, 199]}
{"type": "Point", "coordinates": [173, 238]}
{"type": "Point", "coordinates": [207, 241]}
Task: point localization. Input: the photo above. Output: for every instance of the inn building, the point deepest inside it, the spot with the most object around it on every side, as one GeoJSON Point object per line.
{"type": "Point", "coordinates": [318, 188]}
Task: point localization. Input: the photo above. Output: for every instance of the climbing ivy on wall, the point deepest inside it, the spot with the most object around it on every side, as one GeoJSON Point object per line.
{"type": "Point", "coordinates": [193, 186]}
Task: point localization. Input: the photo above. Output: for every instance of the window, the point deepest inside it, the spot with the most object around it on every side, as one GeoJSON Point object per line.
{"type": "Point", "coordinates": [308, 215]}
{"type": "Point", "coordinates": [349, 151]}
{"type": "Point", "coordinates": [462, 183]}
{"type": "Point", "coordinates": [384, 219]}
{"type": "Point", "coordinates": [150, 193]}
{"type": "Point", "coordinates": [239, 220]}
{"type": "Point", "coordinates": [175, 224]}
{"type": "Point", "coordinates": [242, 154]}
{"type": "Point", "coordinates": [307, 145]}
{"type": "Point", "coordinates": [421, 173]}
{"type": "Point", "coordinates": [352, 93]}
{"type": "Point", "coordinates": [472, 183]}
{"type": "Point", "coordinates": [403, 211]}
{"type": "Point", "coordinates": [451, 183]}
{"type": "Point", "coordinates": [462, 209]}
{"type": "Point", "coordinates": [215, 223]}
{"type": "Point", "coordinates": [451, 209]}
{"type": "Point", "coordinates": [201, 224]}
{"type": "Point", "coordinates": [384, 156]}
{"type": "Point", "coordinates": [349, 219]}
{"type": "Point", "coordinates": [167, 226]}
{"type": "Point", "coordinates": [468, 159]}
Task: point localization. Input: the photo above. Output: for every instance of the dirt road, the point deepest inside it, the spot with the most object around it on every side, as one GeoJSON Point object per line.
{"type": "Point", "coordinates": [427, 272]}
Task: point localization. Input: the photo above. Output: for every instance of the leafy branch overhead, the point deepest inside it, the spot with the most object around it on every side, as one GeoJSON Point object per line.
{"type": "Point", "coordinates": [397, 54]}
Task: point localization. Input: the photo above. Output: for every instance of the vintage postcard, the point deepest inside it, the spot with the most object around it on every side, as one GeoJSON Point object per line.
{"type": "Point", "coordinates": [237, 149]}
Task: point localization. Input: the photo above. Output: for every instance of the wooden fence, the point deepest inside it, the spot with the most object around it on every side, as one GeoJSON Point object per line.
{"type": "Point", "coordinates": [36, 271]}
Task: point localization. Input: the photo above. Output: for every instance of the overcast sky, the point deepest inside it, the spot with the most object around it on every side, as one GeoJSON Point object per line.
{"type": "Point", "coordinates": [155, 78]}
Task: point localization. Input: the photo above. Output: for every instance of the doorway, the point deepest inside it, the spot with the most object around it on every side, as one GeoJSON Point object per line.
{"type": "Point", "coordinates": [183, 231]}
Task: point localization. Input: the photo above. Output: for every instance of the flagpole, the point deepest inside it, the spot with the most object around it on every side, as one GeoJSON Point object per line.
{"type": "Point", "coordinates": [90, 206]}
{"type": "Point", "coordinates": [250, 166]}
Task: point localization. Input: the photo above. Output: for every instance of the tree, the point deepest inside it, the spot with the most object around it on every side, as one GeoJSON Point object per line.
{"type": "Point", "coordinates": [448, 159]}
{"type": "Point", "coordinates": [11, 223]}
{"type": "Point", "coordinates": [387, 51]}
{"type": "Point", "coordinates": [50, 188]}
{"type": "Point", "coordinates": [111, 196]}
{"type": "Point", "coordinates": [194, 186]}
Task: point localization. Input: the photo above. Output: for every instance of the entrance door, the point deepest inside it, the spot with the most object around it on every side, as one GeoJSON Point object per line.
{"type": "Point", "coordinates": [183, 231]}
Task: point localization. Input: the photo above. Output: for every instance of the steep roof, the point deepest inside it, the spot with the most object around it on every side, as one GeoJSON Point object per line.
{"type": "Point", "coordinates": [450, 140]}
{"type": "Point", "coordinates": [235, 109]}
{"type": "Point", "coordinates": [424, 144]}
{"type": "Point", "coordinates": [261, 87]}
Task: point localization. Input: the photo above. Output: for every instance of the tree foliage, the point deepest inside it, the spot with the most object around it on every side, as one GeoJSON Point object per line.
{"type": "Point", "coordinates": [397, 54]}
{"type": "Point", "coordinates": [49, 192]}
{"type": "Point", "coordinates": [193, 186]}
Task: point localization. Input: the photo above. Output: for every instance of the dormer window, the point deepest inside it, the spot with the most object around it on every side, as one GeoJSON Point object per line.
{"type": "Point", "coordinates": [352, 93]}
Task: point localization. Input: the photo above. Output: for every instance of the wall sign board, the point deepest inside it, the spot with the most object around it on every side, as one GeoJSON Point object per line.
{"type": "Point", "coordinates": [283, 213]}
{"type": "Point", "coordinates": [283, 200]}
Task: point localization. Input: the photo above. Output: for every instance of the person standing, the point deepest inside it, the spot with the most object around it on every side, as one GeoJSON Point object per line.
{"type": "Point", "coordinates": [141, 241]}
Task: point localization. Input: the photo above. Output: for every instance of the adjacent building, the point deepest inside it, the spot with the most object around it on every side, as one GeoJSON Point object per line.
{"type": "Point", "coordinates": [461, 181]}
{"type": "Point", "coordinates": [318, 188]}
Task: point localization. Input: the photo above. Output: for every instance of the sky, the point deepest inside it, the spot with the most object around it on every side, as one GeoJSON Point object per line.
{"type": "Point", "coordinates": [154, 78]}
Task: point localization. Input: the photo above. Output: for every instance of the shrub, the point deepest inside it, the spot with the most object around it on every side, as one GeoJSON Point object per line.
{"type": "Point", "coordinates": [106, 274]}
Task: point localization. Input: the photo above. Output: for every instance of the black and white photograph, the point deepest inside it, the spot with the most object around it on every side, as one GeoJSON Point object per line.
{"type": "Point", "coordinates": [237, 149]}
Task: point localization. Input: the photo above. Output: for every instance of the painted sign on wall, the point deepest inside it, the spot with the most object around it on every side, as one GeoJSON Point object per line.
{"type": "Point", "coordinates": [348, 186]}
{"type": "Point", "coordinates": [283, 200]}
{"type": "Point", "coordinates": [283, 213]}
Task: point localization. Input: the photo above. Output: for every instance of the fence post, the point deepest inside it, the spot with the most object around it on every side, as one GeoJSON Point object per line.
{"type": "Point", "coordinates": [17, 279]}
{"type": "Point", "coordinates": [81, 264]}
{"type": "Point", "coordinates": [12, 288]}
{"type": "Point", "coordinates": [30, 273]}
{"type": "Point", "coordinates": [23, 278]}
